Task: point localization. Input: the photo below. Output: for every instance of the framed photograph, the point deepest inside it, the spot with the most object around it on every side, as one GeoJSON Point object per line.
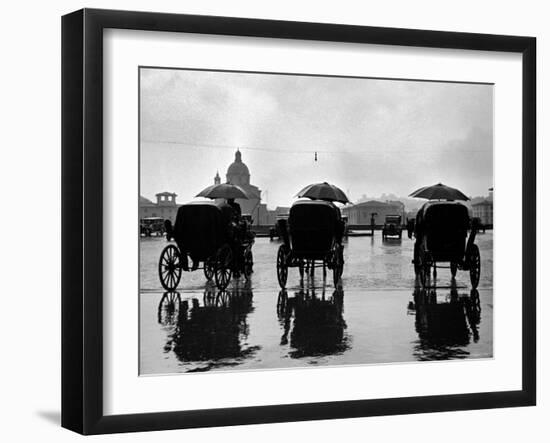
{"type": "Point", "coordinates": [268, 221]}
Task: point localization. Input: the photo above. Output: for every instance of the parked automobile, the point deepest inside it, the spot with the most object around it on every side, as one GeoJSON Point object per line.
{"type": "Point", "coordinates": [150, 226]}
{"type": "Point", "coordinates": [392, 227]}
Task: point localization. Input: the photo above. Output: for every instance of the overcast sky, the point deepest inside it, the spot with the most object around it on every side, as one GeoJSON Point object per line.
{"type": "Point", "coordinates": [371, 136]}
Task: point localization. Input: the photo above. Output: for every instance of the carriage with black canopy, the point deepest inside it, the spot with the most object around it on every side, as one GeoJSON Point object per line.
{"type": "Point", "coordinates": [206, 238]}
{"type": "Point", "coordinates": [312, 237]}
{"type": "Point", "coordinates": [441, 233]}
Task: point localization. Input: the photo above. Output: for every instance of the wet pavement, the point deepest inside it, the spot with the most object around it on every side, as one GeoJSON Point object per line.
{"type": "Point", "coordinates": [377, 316]}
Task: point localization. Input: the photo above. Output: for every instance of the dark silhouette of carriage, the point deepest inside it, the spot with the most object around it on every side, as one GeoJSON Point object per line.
{"type": "Point", "coordinates": [314, 323]}
{"type": "Point", "coordinates": [446, 327]}
{"type": "Point", "coordinates": [441, 232]}
{"type": "Point", "coordinates": [214, 334]}
{"type": "Point", "coordinates": [205, 233]}
{"type": "Point", "coordinates": [312, 237]}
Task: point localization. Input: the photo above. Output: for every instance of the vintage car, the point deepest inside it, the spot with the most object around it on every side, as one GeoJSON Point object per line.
{"type": "Point", "coordinates": [274, 230]}
{"type": "Point", "coordinates": [392, 227]}
{"type": "Point", "coordinates": [150, 226]}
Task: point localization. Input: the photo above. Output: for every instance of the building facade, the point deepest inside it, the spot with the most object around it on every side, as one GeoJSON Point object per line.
{"type": "Point", "coordinates": [484, 211]}
{"type": "Point", "coordinates": [238, 174]}
{"type": "Point", "coordinates": [363, 213]}
{"type": "Point", "coordinates": [166, 206]}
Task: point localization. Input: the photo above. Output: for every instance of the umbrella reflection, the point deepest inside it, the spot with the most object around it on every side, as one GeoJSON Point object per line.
{"type": "Point", "coordinates": [313, 322]}
{"type": "Point", "coordinates": [445, 327]}
{"type": "Point", "coordinates": [214, 333]}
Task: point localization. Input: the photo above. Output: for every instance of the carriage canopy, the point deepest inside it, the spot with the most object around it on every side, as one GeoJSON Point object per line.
{"type": "Point", "coordinates": [200, 229]}
{"type": "Point", "coordinates": [445, 226]}
{"type": "Point", "coordinates": [314, 226]}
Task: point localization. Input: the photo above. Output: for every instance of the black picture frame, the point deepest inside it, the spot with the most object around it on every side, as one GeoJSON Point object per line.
{"type": "Point", "coordinates": [82, 219]}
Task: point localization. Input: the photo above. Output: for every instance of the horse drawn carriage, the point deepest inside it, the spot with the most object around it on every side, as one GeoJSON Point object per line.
{"type": "Point", "coordinates": [206, 234]}
{"type": "Point", "coordinates": [312, 237]}
{"type": "Point", "coordinates": [441, 233]}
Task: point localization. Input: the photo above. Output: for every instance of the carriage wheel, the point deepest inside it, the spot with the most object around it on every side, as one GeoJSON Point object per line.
{"type": "Point", "coordinates": [248, 263]}
{"type": "Point", "coordinates": [282, 268]}
{"type": "Point", "coordinates": [169, 268]}
{"type": "Point", "coordinates": [301, 266]}
{"type": "Point", "coordinates": [208, 269]}
{"type": "Point", "coordinates": [454, 268]}
{"type": "Point", "coordinates": [222, 270]}
{"type": "Point", "coordinates": [475, 266]}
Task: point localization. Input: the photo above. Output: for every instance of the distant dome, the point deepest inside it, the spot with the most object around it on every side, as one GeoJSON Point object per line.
{"type": "Point", "coordinates": [238, 167]}
{"type": "Point", "coordinates": [238, 172]}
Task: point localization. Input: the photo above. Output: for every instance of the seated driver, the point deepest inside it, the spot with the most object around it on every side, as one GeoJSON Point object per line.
{"type": "Point", "coordinates": [236, 208]}
{"type": "Point", "coordinates": [231, 213]}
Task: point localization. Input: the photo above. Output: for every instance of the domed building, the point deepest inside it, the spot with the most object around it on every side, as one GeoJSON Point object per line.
{"type": "Point", "coordinates": [238, 174]}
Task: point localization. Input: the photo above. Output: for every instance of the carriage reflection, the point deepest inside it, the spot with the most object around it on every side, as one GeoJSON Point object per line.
{"type": "Point", "coordinates": [212, 333]}
{"type": "Point", "coordinates": [313, 322]}
{"type": "Point", "coordinates": [168, 309]}
{"type": "Point", "coordinates": [445, 323]}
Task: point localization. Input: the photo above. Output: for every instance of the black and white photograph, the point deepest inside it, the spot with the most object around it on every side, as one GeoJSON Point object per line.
{"type": "Point", "coordinates": [271, 222]}
{"type": "Point", "coordinates": [298, 221]}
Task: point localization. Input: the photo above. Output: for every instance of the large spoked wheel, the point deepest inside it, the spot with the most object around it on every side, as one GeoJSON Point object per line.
{"type": "Point", "coordinates": [282, 268]}
{"type": "Point", "coordinates": [170, 268]}
{"type": "Point", "coordinates": [222, 271]}
{"type": "Point", "coordinates": [475, 266]}
{"type": "Point", "coordinates": [248, 263]}
{"type": "Point", "coordinates": [209, 266]}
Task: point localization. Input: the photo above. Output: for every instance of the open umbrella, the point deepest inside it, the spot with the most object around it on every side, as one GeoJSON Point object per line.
{"type": "Point", "coordinates": [439, 192]}
{"type": "Point", "coordinates": [323, 191]}
{"type": "Point", "coordinates": [224, 190]}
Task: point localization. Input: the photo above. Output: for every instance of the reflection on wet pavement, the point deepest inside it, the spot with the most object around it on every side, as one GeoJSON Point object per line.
{"type": "Point", "coordinates": [446, 327]}
{"type": "Point", "coordinates": [214, 332]}
{"type": "Point", "coordinates": [315, 324]}
{"type": "Point", "coordinates": [378, 315]}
